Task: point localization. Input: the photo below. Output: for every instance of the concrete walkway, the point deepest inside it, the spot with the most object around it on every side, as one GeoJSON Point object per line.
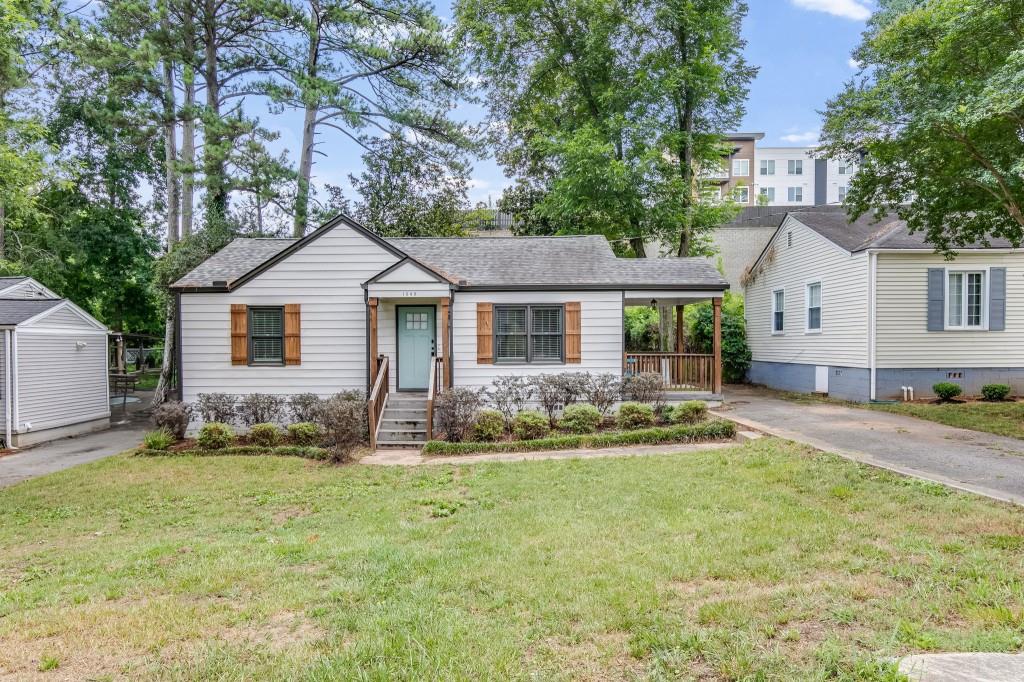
{"type": "Point", "coordinates": [977, 462]}
{"type": "Point", "coordinates": [398, 457]}
{"type": "Point", "coordinates": [128, 426]}
{"type": "Point", "coordinates": [964, 667]}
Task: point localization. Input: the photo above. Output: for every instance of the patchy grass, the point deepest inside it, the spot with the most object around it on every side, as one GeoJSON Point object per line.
{"type": "Point", "coordinates": [1003, 418]}
{"type": "Point", "coordinates": [762, 561]}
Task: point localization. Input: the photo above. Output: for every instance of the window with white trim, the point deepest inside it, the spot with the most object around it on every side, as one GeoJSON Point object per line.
{"type": "Point", "coordinates": [795, 166]}
{"type": "Point", "coordinates": [842, 193]}
{"type": "Point", "coordinates": [741, 167]}
{"type": "Point", "coordinates": [768, 192]}
{"type": "Point", "coordinates": [742, 195]}
{"type": "Point", "coordinates": [528, 333]}
{"type": "Point", "coordinates": [795, 194]}
{"type": "Point", "coordinates": [965, 299]}
{"type": "Point", "coordinates": [814, 307]}
{"type": "Point", "coordinates": [778, 311]}
{"type": "Point", "coordinates": [845, 168]}
{"type": "Point", "coordinates": [767, 166]}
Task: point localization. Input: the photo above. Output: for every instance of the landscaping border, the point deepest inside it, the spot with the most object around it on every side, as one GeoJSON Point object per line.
{"type": "Point", "coordinates": [715, 429]}
{"type": "Point", "coordinates": [244, 450]}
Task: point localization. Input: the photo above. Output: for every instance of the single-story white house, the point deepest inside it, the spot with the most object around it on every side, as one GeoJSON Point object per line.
{"type": "Point", "coordinates": [53, 365]}
{"type": "Point", "coordinates": [343, 308]}
{"type": "Point", "coordinates": [863, 309]}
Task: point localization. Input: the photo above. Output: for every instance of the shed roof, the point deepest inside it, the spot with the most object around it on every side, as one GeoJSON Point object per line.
{"type": "Point", "coordinates": [585, 261]}
{"type": "Point", "coordinates": [14, 311]}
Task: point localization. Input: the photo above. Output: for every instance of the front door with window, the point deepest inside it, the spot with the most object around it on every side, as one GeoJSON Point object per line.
{"type": "Point", "coordinates": [416, 346]}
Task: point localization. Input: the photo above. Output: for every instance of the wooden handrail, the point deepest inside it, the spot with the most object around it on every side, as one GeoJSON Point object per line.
{"type": "Point", "coordinates": [681, 371]}
{"type": "Point", "coordinates": [378, 399]}
{"type": "Point", "coordinates": [433, 387]}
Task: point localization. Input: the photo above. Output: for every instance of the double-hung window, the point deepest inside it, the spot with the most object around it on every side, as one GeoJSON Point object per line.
{"type": "Point", "coordinates": [842, 193]}
{"type": "Point", "coordinates": [529, 333]}
{"type": "Point", "coordinates": [741, 167]}
{"type": "Point", "coordinates": [767, 166]}
{"type": "Point", "coordinates": [814, 307]}
{"type": "Point", "coordinates": [965, 300]}
{"type": "Point", "coordinates": [768, 193]}
{"type": "Point", "coordinates": [795, 166]}
{"type": "Point", "coordinates": [795, 194]}
{"type": "Point", "coordinates": [778, 311]}
{"type": "Point", "coordinates": [266, 336]}
{"type": "Point", "coordinates": [742, 195]}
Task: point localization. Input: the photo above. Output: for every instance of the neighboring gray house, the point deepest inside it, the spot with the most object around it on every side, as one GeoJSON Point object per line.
{"type": "Point", "coordinates": [343, 308]}
{"type": "Point", "coordinates": [859, 310]}
{"type": "Point", "coordinates": [53, 364]}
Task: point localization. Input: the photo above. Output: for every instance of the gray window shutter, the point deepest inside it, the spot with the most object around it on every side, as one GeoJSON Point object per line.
{"type": "Point", "coordinates": [936, 299]}
{"type": "Point", "coordinates": [997, 299]}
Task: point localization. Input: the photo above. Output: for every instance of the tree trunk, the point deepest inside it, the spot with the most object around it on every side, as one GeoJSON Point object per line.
{"type": "Point", "coordinates": [685, 119]}
{"type": "Point", "coordinates": [214, 165]}
{"type": "Point", "coordinates": [308, 125]}
{"type": "Point", "coordinates": [3, 230]}
{"type": "Point", "coordinates": [665, 340]}
{"type": "Point", "coordinates": [170, 154]}
{"type": "Point", "coordinates": [637, 244]}
{"type": "Point", "coordinates": [188, 128]}
{"type": "Point", "coordinates": [165, 381]}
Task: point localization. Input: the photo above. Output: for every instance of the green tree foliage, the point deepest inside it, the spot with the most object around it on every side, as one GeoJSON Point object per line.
{"type": "Point", "coordinates": [608, 110]}
{"type": "Point", "coordinates": [937, 116]}
{"type": "Point", "coordinates": [406, 191]}
{"type": "Point", "coordinates": [735, 352]}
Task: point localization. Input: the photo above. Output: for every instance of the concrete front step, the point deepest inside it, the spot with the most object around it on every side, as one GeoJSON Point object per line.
{"type": "Point", "coordinates": [396, 413]}
{"type": "Point", "coordinates": [402, 437]}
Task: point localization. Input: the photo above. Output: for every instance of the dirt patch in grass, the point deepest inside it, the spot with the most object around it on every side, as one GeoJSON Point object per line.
{"type": "Point", "coordinates": [281, 631]}
{"type": "Point", "coordinates": [600, 657]}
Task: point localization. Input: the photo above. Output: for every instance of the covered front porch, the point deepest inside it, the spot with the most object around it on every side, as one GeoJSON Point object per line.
{"type": "Point", "coordinates": [686, 373]}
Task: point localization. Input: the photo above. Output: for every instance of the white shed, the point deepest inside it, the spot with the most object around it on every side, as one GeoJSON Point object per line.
{"type": "Point", "coordinates": [53, 369]}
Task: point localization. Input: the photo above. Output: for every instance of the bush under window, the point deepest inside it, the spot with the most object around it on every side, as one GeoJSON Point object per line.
{"type": "Point", "coordinates": [306, 433]}
{"type": "Point", "coordinates": [602, 391]}
{"type": "Point", "coordinates": [344, 420]}
{"type": "Point", "coordinates": [455, 411]}
{"type": "Point", "coordinates": [510, 394]}
{"type": "Point", "coordinates": [260, 408]}
{"type": "Point", "coordinates": [267, 435]}
{"type": "Point", "coordinates": [305, 408]}
{"type": "Point", "coordinates": [530, 424]}
{"type": "Point", "coordinates": [580, 419]}
{"type": "Point", "coordinates": [947, 390]}
{"type": "Point", "coordinates": [215, 435]}
{"type": "Point", "coordinates": [634, 416]}
{"type": "Point", "coordinates": [217, 407]}
{"type": "Point", "coordinates": [489, 426]}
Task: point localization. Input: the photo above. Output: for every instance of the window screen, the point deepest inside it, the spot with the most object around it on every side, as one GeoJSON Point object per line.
{"type": "Point", "coordinates": [528, 333]}
{"type": "Point", "coordinates": [814, 307]}
{"type": "Point", "coordinates": [266, 335]}
{"type": "Point", "coordinates": [778, 310]}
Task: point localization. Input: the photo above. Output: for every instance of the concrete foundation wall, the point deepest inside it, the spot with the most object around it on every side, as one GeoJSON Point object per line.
{"type": "Point", "coordinates": [22, 440]}
{"type": "Point", "coordinates": [889, 382]}
{"type": "Point", "coordinates": [845, 383]}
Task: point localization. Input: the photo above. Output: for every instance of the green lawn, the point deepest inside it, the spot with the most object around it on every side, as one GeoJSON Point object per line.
{"type": "Point", "coordinates": [1004, 419]}
{"type": "Point", "coordinates": [763, 561]}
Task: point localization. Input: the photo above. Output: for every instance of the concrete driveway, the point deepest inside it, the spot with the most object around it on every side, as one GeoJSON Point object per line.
{"type": "Point", "coordinates": [969, 460]}
{"type": "Point", "coordinates": [129, 425]}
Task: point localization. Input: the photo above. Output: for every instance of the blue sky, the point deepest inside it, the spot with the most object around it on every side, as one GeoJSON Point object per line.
{"type": "Point", "coordinates": [802, 47]}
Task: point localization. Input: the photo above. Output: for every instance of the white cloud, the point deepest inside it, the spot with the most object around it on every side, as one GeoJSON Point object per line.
{"type": "Point", "coordinates": [853, 63]}
{"type": "Point", "coordinates": [847, 9]}
{"type": "Point", "coordinates": [807, 137]}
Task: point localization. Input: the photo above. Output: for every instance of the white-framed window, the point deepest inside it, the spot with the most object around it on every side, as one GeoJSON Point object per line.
{"type": "Point", "coordinates": [778, 311]}
{"type": "Point", "coordinates": [768, 192]}
{"type": "Point", "coordinates": [742, 194]}
{"type": "Point", "coordinates": [795, 166]}
{"type": "Point", "coordinates": [813, 298]}
{"type": "Point", "coordinates": [842, 193]}
{"type": "Point", "coordinates": [965, 299]}
{"type": "Point", "coordinates": [740, 167]}
{"type": "Point", "coordinates": [795, 194]}
{"type": "Point", "coordinates": [767, 166]}
{"type": "Point", "coordinates": [845, 168]}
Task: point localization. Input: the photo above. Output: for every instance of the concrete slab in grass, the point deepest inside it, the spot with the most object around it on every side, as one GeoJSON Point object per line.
{"type": "Point", "coordinates": [964, 667]}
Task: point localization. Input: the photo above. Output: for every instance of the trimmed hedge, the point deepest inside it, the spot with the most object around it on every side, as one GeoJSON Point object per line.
{"type": "Point", "coordinates": [716, 429]}
{"type": "Point", "coordinates": [280, 450]}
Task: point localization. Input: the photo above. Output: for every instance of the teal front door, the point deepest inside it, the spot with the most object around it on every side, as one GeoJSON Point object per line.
{"type": "Point", "coordinates": [416, 346]}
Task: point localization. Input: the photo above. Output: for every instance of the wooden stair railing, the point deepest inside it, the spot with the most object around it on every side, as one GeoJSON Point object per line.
{"type": "Point", "coordinates": [378, 399]}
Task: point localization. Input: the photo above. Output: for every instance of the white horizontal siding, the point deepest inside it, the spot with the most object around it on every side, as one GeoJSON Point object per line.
{"type": "Point", "coordinates": [902, 302]}
{"type": "Point", "coordinates": [62, 379]}
{"type": "Point", "coordinates": [325, 278]}
{"type": "Point", "coordinates": [601, 334]}
{"type": "Point", "coordinates": [65, 318]}
{"type": "Point", "coordinates": [844, 307]}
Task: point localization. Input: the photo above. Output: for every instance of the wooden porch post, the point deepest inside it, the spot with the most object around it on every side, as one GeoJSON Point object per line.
{"type": "Point", "coordinates": [372, 302]}
{"type": "Point", "coordinates": [680, 329]}
{"type": "Point", "coordinates": [445, 354]}
{"type": "Point", "coordinates": [717, 305]}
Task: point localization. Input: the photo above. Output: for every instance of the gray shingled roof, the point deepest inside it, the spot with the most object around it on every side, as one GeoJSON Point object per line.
{"type": "Point", "coordinates": [234, 260]}
{"type": "Point", "coordinates": [14, 311]}
{"type": "Point", "coordinates": [867, 232]}
{"type": "Point", "coordinates": [577, 261]}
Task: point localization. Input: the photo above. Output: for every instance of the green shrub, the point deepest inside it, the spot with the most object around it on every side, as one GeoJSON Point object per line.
{"type": "Point", "coordinates": [735, 351]}
{"type": "Point", "coordinates": [306, 434]}
{"type": "Point", "coordinates": [690, 412]}
{"type": "Point", "coordinates": [244, 450]}
{"type": "Point", "coordinates": [267, 435]}
{"type": "Point", "coordinates": [215, 435]}
{"type": "Point", "coordinates": [530, 425]}
{"type": "Point", "coordinates": [715, 429]}
{"type": "Point", "coordinates": [995, 392]}
{"type": "Point", "coordinates": [580, 419]}
{"type": "Point", "coordinates": [947, 390]}
{"type": "Point", "coordinates": [489, 426]}
{"type": "Point", "coordinates": [634, 416]}
{"type": "Point", "coordinates": [161, 439]}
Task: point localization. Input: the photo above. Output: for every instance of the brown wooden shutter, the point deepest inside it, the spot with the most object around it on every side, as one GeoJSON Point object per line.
{"type": "Point", "coordinates": [292, 334]}
{"type": "Point", "coordinates": [484, 334]}
{"type": "Point", "coordinates": [239, 334]}
{"type": "Point", "coordinates": [573, 337]}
